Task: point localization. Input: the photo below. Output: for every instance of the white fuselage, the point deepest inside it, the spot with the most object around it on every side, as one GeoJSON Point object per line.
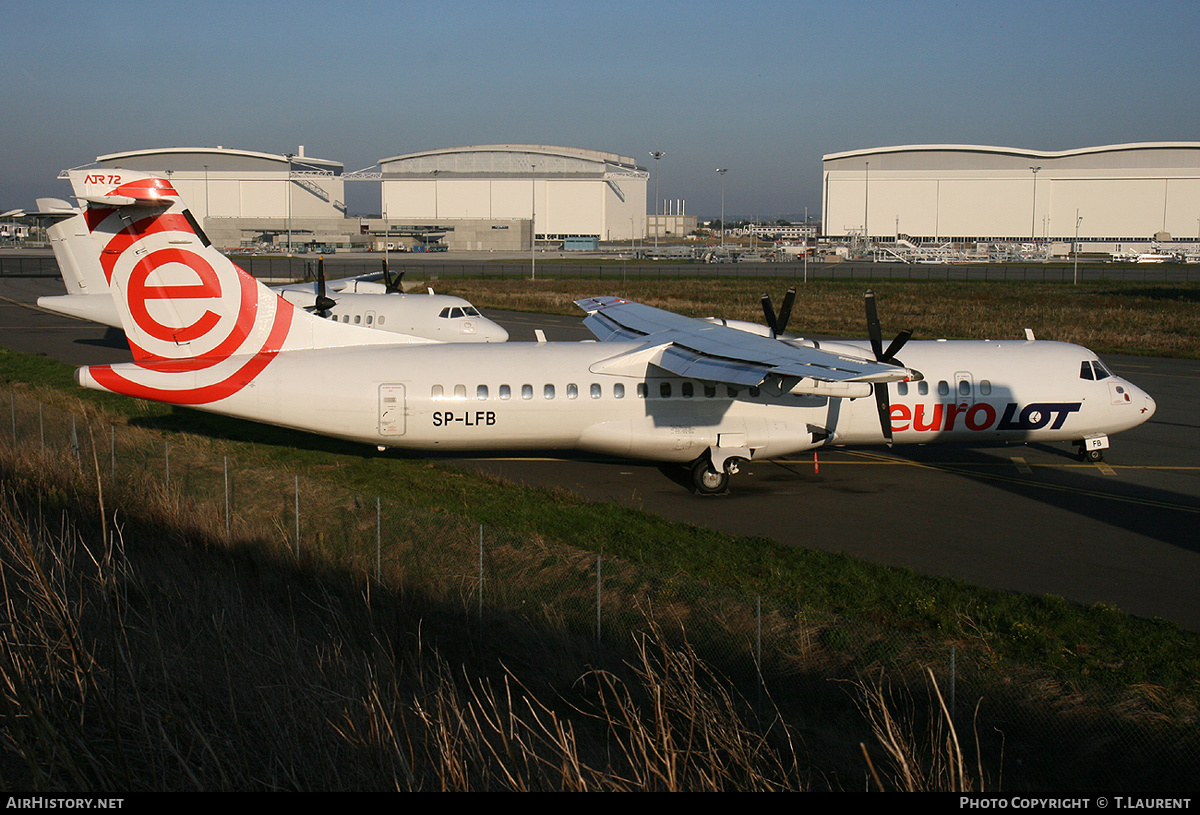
{"type": "Point", "coordinates": [534, 396]}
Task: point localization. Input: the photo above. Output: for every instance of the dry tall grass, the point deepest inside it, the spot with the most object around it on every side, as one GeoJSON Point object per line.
{"type": "Point", "coordinates": [140, 649]}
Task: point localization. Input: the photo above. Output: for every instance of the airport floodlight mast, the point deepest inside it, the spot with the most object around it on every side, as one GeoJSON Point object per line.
{"type": "Point", "coordinates": [289, 157]}
{"type": "Point", "coordinates": [721, 171]}
{"type": "Point", "coordinates": [532, 221]}
{"type": "Point", "coordinates": [656, 155]}
{"type": "Point", "coordinates": [866, 205]}
{"type": "Point", "coordinates": [1033, 215]}
{"type": "Point", "coordinates": [1078, 221]}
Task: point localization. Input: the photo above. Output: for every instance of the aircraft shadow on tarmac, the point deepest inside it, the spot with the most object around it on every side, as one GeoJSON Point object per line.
{"type": "Point", "coordinates": [113, 338]}
{"type": "Point", "coordinates": [1084, 491]}
{"type": "Point", "coordinates": [1164, 515]}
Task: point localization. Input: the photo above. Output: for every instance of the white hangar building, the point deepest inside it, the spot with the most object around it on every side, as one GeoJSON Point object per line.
{"type": "Point", "coordinates": [568, 192]}
{"type": "Point", "coordinates": [240, 196]}
{"type": "Point", "coordinates": [217, 182]}
{"type": "Point", "coordinates": [965, 193]}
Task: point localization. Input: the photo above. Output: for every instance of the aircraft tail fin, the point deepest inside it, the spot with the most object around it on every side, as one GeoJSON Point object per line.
{"type": "Point", "coordinates": [199, 327]}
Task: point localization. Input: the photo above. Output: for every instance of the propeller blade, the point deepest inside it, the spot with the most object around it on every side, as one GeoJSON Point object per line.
{"type": "Point", "coordinates": [391, 284]}
{"type": "Point", "coordinates": [890, 354]}
{"type": "Point", "coordinates": [323, 303]}
{"type": "Point", "coordinates": [884, 405]}
{"type": "Point", "coordinates": [873, 330]}
{"type": "Point", "coordinates": [769, 313]}
{"type": "Point", "coordinates": [785, 313]}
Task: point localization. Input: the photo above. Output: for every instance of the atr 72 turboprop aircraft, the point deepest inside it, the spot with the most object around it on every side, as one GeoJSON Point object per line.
{"type": "Point", "coordinates": [657, 386]}
{"type": "Point", "coordinates": [371, 303]}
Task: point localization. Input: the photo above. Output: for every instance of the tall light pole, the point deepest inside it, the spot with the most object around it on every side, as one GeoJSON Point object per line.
{"type": "Point", "coordinates": [1033, 215]}
{"type": "Point", "coordinates": [656, 155]}
{"type": "Point", "coordinates": [1078, 221]}
{"type": "Point", "coordinates": [866, 204]}
{"type": "Point", "coordinates": [722, 171]}
{"type": "Point", "coordinates": [289, 157]}
{"type": "Point", "coordinates": [532, 222]}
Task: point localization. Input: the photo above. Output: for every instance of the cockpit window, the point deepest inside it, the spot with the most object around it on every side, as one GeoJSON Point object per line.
{"type": "Point", "coordinates": [445, 313]}
{"type": "Point", "coordinates": [471, 311]}
{"type": "Point", "coordinates": [1094, 370]}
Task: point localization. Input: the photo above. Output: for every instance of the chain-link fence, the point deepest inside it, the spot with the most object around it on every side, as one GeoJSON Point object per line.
{"type": "Point", "coordinates": [783, 657]}
{"type": "Point", "coordinates": [280, 268]}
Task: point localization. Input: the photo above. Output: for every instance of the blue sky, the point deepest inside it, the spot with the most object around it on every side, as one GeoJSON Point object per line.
{"type": "Point", "coordinates": [763, 88]}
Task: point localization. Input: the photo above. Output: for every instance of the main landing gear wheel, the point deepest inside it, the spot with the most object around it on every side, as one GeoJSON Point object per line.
{"type": "Point", "coordinates": [706, 480]}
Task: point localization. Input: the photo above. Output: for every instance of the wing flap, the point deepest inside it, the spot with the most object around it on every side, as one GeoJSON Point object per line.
{"type": "Point", "coordinates": [708, 351]}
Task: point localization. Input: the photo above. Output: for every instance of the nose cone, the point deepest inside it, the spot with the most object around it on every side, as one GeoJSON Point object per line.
{"type": "Point", "coordinates": [494, 333]}
{"type": "Point", "coordinates": [1148, 406]}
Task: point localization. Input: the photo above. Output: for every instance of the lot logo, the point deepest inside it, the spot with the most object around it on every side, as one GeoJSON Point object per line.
{"type": "Point", "coordinates": [981, 416]}
{"type": "Point", "coordinates": [200, 329]}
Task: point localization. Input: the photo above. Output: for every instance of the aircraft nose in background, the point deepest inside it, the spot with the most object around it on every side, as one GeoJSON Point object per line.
{"type": "Point", "coordinates": [1148, 406]}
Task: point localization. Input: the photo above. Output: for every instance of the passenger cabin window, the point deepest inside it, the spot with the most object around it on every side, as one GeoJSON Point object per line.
{"type": "Point", "coordinates": [964, 387]}
{"type": "Point", "coordinates": [505, 392]}
{"type": "Point", "coordinates": [710, 391]}
{"type": "Point", "coordinates": [943, 388]}
{"type": "Point", "coordinates": [572, 391]}
{"type": "Point", "coordinates": [619, 390]}
{"type": "Point", "coordinates": [436, 392]}
{"type": "Point", "coordinates": [902, 389]}
{"type": "Point", "coordinates": [985, 387]}
{"type": "Point", "coordinates": [460, 392]}
{"type": "Point", "coordinates": [380, 321]}
{"type": "Point", "coordinates": [527, 391]}
{"type": "Point", "coordinates": [923, 388]}
{"type": "Point", "coordinates": [641, 390]}
{"type": "Point", "coordinates": [481, 392]}
{"type": "Point", "coordinates": [548, 392]}
{"type": "Point", "coordinates": [664, 390]}
{"type": "Point", "coordinates": [686, 389]}
{"type": "Point", "coordinates": [595, 391]}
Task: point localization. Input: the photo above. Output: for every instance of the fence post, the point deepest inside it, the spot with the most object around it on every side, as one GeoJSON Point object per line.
{"type": "Point", "coordinates": [228, 522]}
{"type": "Point", "coordinates": [297, 504]}
{"type": "Point", "coordinates": [758, 654]}
{"type": "Point", "coordinates": [599, 601]}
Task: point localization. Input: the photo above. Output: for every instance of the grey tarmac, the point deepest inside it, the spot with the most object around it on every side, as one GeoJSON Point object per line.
{"type": "Point", "coordinates": [1027, 518]}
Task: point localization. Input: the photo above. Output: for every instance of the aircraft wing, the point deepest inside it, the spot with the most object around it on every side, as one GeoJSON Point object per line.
{"type": "Point", "coordinates": [704, 350]}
